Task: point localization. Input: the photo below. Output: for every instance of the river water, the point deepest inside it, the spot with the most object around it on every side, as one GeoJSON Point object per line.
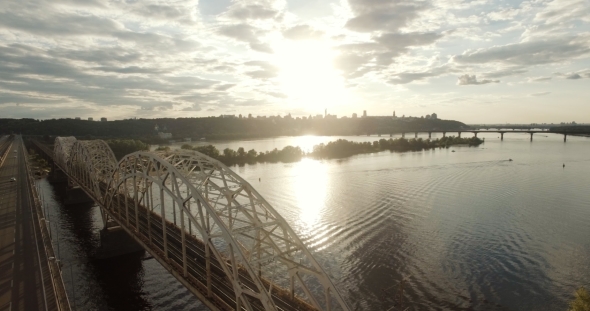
{"type": "Point", "coordinates": [466, 230]}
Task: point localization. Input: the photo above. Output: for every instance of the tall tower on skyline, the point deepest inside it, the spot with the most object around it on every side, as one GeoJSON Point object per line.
{"type": "Point", "coordinates": [394, 113]}
{"type": "Point", "coordinates": [325, 112]}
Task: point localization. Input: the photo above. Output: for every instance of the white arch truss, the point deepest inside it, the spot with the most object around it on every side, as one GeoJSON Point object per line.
{"type": "Point", "coordinates": [61, 150]}
{"type": "Point", "coordinates": [198, 216]}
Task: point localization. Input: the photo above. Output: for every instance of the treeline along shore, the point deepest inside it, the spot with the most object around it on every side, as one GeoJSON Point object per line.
{"type": "Point", "coordinates": [217, 128]}
{"type": "Point", "coordinates": [338, 149]}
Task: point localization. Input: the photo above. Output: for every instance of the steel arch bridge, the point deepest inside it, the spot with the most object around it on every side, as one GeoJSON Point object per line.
{"type": "Point", "coordinates": [206, 225]}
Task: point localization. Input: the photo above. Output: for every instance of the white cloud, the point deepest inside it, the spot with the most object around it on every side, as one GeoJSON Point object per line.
{"type": "Point", "coordinates": [472, 80]}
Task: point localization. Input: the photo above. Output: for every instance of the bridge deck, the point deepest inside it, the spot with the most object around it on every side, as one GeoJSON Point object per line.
{"type": "Point", "coordinates": [25, 280]}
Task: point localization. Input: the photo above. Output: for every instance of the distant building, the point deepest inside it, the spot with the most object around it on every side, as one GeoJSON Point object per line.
{"type": "Point", "coordinates": [427, 116]}
{"type": "Point", "coordinates": [90, 119]}
{"type": "Point", "coordinates": [364, 113]}
{"type": "Point", "coordinates": [354, 116]}
{"type": "Point", "coordinates": [188, 139]}
{"type": "Point", "coordinates": [77, 118]}
{"type": "Point", "coordinates": [434, 116]}
{"type": "Point", "coordinates": [103, 119]}
{"type": "Point", "coordinates": [249, 116]}
{"type": "Point", "coordinates": [164, 135]}
{"type": "Point", "coordinates": [227, 116]}
{"type": "Point", "coordinates": [240, 116]}
{"type": "Point", "coordinates": [394, 114]}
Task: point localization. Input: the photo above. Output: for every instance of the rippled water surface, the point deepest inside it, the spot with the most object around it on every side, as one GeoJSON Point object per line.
{"type": "Point", "coordinates": [466, 229]}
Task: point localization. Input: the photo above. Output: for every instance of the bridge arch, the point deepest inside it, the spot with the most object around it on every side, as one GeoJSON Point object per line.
{"type": "Point", "coordinates": [92, 162]}
{"type": "Point", "coordinates": [61, 150]}
{"type": "Point", "coordinates": [197, 198]}
{"type": "Point", "coordinates": [153, 182]}
{"type": "Point", "coordinates": [264, 235]}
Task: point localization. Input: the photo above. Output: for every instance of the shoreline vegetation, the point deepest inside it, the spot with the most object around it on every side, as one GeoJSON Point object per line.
{"type": "Point", "coordinates": [338, 149]}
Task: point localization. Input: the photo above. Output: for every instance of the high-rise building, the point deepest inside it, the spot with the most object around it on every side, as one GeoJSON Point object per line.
{"type": "Point", "coordinates": [354, 115]}
{"type": "Point", "coordinates": [77, 118]}
{"type": "Point", "coordinates": [103, 119]}
{"type": "Point", "coordinates": [90, 119]}
{"type": "Point", "coordinates": [364, 113]}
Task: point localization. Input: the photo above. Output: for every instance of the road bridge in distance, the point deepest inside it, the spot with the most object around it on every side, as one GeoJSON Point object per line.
{"type": "Point", "coordinates": [206, 225]}
{"type": "Point", "coordinates": [499, 131]}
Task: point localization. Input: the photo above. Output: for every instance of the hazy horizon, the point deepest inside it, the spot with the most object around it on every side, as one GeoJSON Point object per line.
{"type": "Point", "coordinates": [473, 61]}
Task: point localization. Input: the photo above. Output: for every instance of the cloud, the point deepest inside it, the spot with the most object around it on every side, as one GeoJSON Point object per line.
{"type": "Point", "coordinates": [539, 79]}
{"type": "Point", "coordinates": [411, 76]}
{"type": "Point", "coordinates": [511, 71]}
{"type": "Point", "coordinates": [252, 11]}
{"type": "Point", "coordinates": [245, 33]}
{"type": "Point", "coordinates": [541, 94]}
{"type": "Point", "coordinates": [265, 70]}
{"type": "Point", "coordinates": [554, 50]}
{"type": "Point", "coordinates": [580, 74]}
{"type": "Point", "coordinates": [574, 76]}
{"type": "Point", "coordinates": [382, 15]}
{"type": "Point", "coordinates": [357, 59]}
{"type": "Point", "coordinates": [302, 32]}
{"type": "Point", "coordinates": [472, 80]}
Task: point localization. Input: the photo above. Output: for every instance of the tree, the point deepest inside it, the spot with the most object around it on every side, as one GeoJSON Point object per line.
{"type": "Point", "coordinates": [582, 301]}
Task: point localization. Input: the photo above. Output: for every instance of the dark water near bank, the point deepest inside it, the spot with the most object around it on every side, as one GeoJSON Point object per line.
{"type": "Point", "coordinates": [469, 230]}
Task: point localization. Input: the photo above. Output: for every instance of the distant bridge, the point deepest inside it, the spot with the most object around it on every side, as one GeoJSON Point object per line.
{"type": "Point", "coordinates": [206, 225]}
{"type": "Point", "coordinates": [500, 131]}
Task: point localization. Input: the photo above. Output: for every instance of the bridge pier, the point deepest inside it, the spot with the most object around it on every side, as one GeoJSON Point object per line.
{"type": "Point", "coordinates": [416, 135]}
{"type": "Point", "coordinates": [114, 242]}
{"type": "Point", "coordinates": [475, 134]}
{"type": "Point", "coordinates": [429, 135]}
{"type": "Point", "coordinates": [403, 135]}
{"type": "Point", "coordinates": [459, 134]}
{"type": "Point", "coordinates": [531, 136]}
{"type": "Point", "coordinates": [444, 134]}
{"type": "Point", "coordinates": [502, 136]}
{"type": "Point", "coordinates": [564, 138]}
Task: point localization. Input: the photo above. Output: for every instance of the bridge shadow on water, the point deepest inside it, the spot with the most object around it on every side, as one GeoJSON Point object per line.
{"type": "Point", "coordinates": [106, 284]}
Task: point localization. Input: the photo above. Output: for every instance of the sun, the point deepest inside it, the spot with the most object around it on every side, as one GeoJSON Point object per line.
{"type": "Point", "coordinates": [307, 75]}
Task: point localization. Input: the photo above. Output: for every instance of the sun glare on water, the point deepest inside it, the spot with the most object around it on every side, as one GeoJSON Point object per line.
{"type": "Point", "coordinates": [307, 75]}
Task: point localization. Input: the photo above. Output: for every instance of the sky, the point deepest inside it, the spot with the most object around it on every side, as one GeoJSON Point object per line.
{"type": "Point", "coordinates": [480, 61]}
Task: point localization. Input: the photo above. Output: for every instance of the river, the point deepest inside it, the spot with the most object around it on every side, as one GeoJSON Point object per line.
{"type": "Point", "coordinates": [466, 228]}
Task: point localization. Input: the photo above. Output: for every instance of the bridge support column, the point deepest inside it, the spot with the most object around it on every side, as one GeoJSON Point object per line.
{"type": "Point", "coordinates": [403, 135]}
{"type": "Point", "coordinates": [429, 135]}
{"type": "Point", "coordinates": [416, 135]}
{"type": "Point", "coordinates": [564, 138]}
{"type": "Point", "coordinates": [444, 134]}
{"type": "Point", "coordinates": [390, 135]}
{"type": "Point", "coordinates": [115, 242]}
{"type": "Point", "coordinates": [501, 136]}
{"type": "Point", "coordinates": [459, 134]}
{"type": "Point", "coordinates": [531, 136]}
{"type": "Point", "coordinates": [475, 134]}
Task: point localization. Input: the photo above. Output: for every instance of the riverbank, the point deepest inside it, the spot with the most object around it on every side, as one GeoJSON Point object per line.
{"type": "Point", "coordinates": [338, 149]}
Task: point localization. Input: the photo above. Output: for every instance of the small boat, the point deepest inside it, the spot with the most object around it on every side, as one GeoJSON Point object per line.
{"type": "Point", "coordinates": [510, 160]}
{"type": "Point", "coordinates": [453, 150]}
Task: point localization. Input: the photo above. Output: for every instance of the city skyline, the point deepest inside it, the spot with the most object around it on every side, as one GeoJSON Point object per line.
{"type": "Point", "coordinates": [481, 61]}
